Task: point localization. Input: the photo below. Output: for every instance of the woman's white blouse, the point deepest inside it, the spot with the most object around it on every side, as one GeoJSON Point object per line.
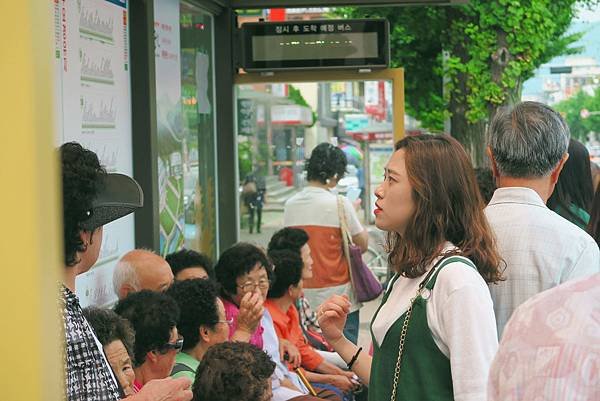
{"type": "Point", "coordinates": [460, 315]}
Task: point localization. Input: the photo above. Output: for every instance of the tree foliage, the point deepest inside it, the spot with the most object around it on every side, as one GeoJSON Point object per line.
{"type": "Point", "coordinates": [463, 62]}
{"type": "Point", "coordinates": [571, 110]}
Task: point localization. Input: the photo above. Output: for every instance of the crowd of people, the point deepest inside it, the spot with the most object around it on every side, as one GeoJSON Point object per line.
{"type": "Point", "coordinates": [508, 260]}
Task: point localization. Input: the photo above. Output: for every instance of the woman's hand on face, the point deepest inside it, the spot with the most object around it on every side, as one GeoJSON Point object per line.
{"type": "Point", "coordinates": [251, 311]}
{"type": "Point", "coordinates": [293, 354]}
{"type": "Point", "coordinates": [332, 317]}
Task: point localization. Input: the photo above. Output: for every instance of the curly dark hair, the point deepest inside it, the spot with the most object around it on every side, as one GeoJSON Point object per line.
{"type": "Point", "coordinates": [326, 161]}
{"type": "Point", "coordinates": [153, 315]}
{"type": "Point", "coordinates": [287, 269]}
{"type": "Point", "coordinates": [186, 258]}
{"type": "Point", "coordinates": [233, 371]}
{"type": "Point", "coordinates": [288, 238]}
{"type": "Point", "coordinates": [110, 327]}
{"type": "Point", "coordinates": [197, 301]}
{"type": "Point", "coordinates": [236, 261]}
{"type": "Point", "coordinates": [82, 177]}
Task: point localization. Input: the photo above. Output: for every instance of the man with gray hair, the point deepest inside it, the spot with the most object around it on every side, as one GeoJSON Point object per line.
{"type": "Point", "coordinates": [528, 148]}
{"type": "Point", "coordinates": [141, 269]}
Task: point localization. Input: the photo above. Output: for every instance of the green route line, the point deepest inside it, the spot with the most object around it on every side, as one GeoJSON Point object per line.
{"type": "Point", "coordinates": [96, 35]}
{"type": "Point", "coordinates": [98, 125]}
{"type": "Point", "coordinates": [98, 80]}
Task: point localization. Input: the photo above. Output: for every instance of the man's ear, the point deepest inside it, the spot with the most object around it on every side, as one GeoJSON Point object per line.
{"type": "Point", "coordinates": [488, 150]}
{"type": "Point", "coordinates": [125, 290]}
{"type": "Point", "coordinates": [204, 333]}
{"type": "Point", "coordinates": [152, 356]}
{"type": "Point", "coordinates": [556, 172]}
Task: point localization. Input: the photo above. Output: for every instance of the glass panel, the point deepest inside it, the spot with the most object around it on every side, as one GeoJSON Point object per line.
{"type": "Point", "coordinates": [280, 124]}
{"type": "Point", "coordinates": [185, 126]}
{"type": "Point", "coordinates": [199, 125]}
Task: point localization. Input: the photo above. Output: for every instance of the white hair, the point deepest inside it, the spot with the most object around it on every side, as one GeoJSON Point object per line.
{"type": "Point", "coordinates": [125, 274]}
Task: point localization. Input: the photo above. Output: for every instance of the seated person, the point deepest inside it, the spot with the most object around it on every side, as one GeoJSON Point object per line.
{"type": "Point", "coordinates": [187, 264]}
{"type": "Point", "coordinates": [284, 292]}
{"type": "Point", "coordinates": [242, 273]}
{"type": "Point", "coordinates": [117, 338]}
{"type": "Point", "coordinates": [233, 371]}
{"type": "Point", "coordinates": [141, 269]}
{"type": "Point", "coordinates": [296, 240]}
{"type": "Point", "coordinates": [201, 322]}
{"type": "Point", "coordinates": [153, 316]}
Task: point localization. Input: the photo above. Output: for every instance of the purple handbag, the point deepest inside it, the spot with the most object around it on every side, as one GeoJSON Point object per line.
{"type": "Point", "coordinates": [364, 283]}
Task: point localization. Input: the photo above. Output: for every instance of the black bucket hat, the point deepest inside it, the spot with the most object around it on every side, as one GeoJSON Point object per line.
{"type": "Point", "coordinates": [119, 196]}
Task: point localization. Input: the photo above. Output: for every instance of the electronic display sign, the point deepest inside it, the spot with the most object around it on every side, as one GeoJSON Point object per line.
{"type": "Point", "coordinates": [290, 45]}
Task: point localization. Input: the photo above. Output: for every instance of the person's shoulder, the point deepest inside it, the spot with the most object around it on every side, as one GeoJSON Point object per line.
{"type": "Point", "coordinates": [569, 231]}
{"type": "Point", "coordinates": [582, 287]}
{"type": "Point", "coordinates": [185, 373]}
{"type": "Point", "coordinates": [573, 300]}
{"type": "Point", "coordinates": [459, 274]}
{"type": "Point", "coordinates": [293, 199]}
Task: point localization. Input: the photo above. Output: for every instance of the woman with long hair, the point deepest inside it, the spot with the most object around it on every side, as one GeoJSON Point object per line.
{"type": "Point", "coordinates": [435, 332]}
{"type": "Point", "coordinates": [572, 197]}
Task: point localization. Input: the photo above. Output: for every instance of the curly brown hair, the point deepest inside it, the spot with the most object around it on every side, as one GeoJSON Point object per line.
{"type": "Point", "coordinates": [448, 207]}
{"type": "Point", "coordinates": [233, 371]}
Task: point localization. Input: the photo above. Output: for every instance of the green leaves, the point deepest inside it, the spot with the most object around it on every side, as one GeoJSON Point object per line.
{"type": "Point", "coordinates": [571, 111]}
{"type": "Point", "coordinates": [479, 77]}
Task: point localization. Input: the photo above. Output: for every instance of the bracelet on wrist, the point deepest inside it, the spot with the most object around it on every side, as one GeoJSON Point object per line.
{"type": "Point", "coordinates": [354, 358]}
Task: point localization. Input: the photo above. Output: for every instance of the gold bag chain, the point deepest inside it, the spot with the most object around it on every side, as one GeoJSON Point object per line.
{"type": "Point", "coordinates": [401, 348]}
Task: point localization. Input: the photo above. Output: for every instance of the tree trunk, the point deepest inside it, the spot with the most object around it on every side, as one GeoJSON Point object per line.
{"type": "Point", "coordinates": [471, 136]}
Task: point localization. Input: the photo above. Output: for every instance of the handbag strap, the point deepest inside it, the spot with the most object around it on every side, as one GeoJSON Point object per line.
{"type": "Point", "coordinates": [346, 238]}
{"type": "Point", "coordinates": [343, 222]}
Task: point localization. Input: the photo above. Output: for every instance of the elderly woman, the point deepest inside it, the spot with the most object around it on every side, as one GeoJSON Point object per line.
{"type": "Point", "coordinates": [117, 338]}
{"type": "Point", "coordinates": [287, 288]}
{"type": "Point", "coordinates": [242, 273]}
{"type": "Point", "coordinates": [92, 198]}
{"type": "Point", "coordinates": [202, 322]}
{"type": "Point", "coordinates": [153, 316]}
{"type": "Point", "coordinates": [188, 264]}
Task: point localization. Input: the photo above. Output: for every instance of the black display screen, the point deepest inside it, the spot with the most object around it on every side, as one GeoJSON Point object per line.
{"type": "Point", "coordinates": [315, 44]}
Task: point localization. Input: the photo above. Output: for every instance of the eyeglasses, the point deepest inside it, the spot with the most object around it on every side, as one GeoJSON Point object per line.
{"type": "Point", "coordinates": [251, 286]}
{"type": "Point", "coordinates": [228, 321]}
{"type": "Point", "coordinates": [177, 346]}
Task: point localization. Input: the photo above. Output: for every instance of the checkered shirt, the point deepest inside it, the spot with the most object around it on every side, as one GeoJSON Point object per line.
{"type": "Point", "coordinates": [541, 249]}
{"type": "Point", "coordinates": [88, 376]}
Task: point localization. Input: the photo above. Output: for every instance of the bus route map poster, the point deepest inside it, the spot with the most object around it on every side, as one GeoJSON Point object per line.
{"type": "Point", "coordinates": [93, 107]}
